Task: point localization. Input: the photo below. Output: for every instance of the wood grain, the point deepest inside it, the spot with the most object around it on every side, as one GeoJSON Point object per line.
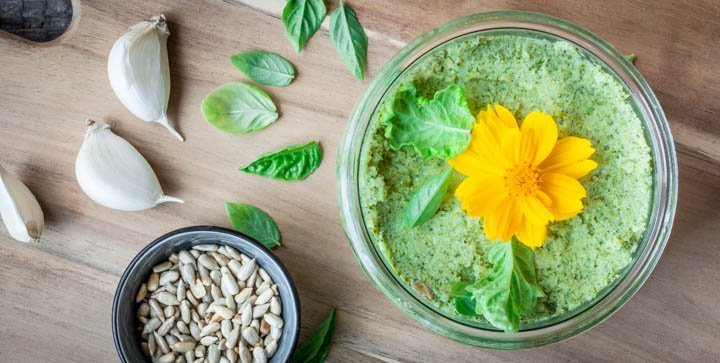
{"type": "Point", "coordinates": [55, 297]}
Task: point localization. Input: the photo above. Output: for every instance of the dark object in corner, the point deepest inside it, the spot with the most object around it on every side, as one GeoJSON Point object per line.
{"type": "Point", "coordinates": [36, 20]}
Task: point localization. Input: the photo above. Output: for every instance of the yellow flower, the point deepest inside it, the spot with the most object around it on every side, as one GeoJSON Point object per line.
{"type": "Point", "coordinates": [521, 178]}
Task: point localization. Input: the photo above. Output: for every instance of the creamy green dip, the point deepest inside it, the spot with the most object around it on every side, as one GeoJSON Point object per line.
{"type": "Point", "coordinates": [581, 256]}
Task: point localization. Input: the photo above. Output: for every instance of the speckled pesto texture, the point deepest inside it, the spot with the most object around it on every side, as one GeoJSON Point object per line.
{"type": "Point", "coordinates": [581, 256]}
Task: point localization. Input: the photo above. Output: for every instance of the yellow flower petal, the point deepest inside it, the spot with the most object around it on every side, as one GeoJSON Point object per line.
{"type": "Point", "coordinates": [502, 224]}
{"type": "Point", "coordinates": [531, 235]}
{"type": "Point", "coordinates": [569, 157]}
{"type": "Point", "coordinates": [483, 143]}
{"type": "Point", "coordinates": [470, 164]}
{"type": "Point", "coordinates": [510, 145]}
{"type": "Point", "coordinates": [480, 197]}
{"type": "Point", "coordinates": [539, 134]}
{"type": "Point", "coordinates": [534, 210]}
{"type": "Point", "coordinates": [499, 120]}
{"type": "Point", "coordinates": [565, 193]}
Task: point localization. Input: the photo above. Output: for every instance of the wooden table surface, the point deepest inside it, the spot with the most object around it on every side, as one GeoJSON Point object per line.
{"type": "Point", "coordinates": [55, 297]}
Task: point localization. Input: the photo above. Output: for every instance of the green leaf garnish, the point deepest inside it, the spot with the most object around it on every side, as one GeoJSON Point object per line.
{"type": "Point", "coordinates": [439, 127]}
{"type": "Point", "coordinates": [349, 39]}
{"type": "Point", "coordinates": [239, 108]}
{"type": "Point", "coordinates": [265, 68]}
{"type": "Point", "coordinates": [631, 58]}
{"type": "Point", "coordinates": [464, 301]}
{"type": "Point", "coordinates": [295, 162]}
{"type": "Point", "coordinates": [510, 290]}
{"type": "Point", "coordinates": [317, 346]}
{"type": "Point", "coordinates": [302, 18]}
{"type": "Point", "coordinates": [426, 200]}
{"type": "Point", "coordinates": [253, 222]}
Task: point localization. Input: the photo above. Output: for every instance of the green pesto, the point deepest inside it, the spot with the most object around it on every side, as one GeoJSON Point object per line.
{"type": "Point", "coordinates": [581, 256]}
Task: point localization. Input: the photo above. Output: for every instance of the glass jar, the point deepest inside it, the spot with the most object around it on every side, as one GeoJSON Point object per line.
{"type": "Point", "coordinates": [650, 247]}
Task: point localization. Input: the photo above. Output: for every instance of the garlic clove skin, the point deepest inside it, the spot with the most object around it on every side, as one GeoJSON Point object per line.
{"type": "Point", "coordinates": [139, 71]}
{"type": "Point", "coordinates": [114, 174]}
{"type": "Point", "coordinates": [20, 209]}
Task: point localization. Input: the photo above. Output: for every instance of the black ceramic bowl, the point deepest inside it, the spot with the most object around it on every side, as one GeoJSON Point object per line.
{"type": "Point", "coordinates": [124, 320]}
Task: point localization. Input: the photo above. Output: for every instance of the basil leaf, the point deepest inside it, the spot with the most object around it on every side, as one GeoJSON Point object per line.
{"type": "Point", "coordinates": [302, 18]}
{"type": "Point", "coordinates": [295, 162]}
{"type": "Point", "coordinates": [317, 346]}
{"type": "Point", "coordinates": [349, 39]}
{"type": "Point", "coordinates": [511, 289]}
{"type": "Point", "coordinates": [239, 108]}
{"type": "Point", "coordinates": [253, 222]}
{"type": "Point", "coordinates": [464, 301]}
{"type": "Point", "coordinates": [631, 58]}
{"type": "Point", "coordinates": [439, 127]}
{"type": "Point", "coordinates": [268, 69]}
{"type": "Point", "coordinates": [426, 200]}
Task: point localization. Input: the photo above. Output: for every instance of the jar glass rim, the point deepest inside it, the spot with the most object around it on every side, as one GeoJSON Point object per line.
{"type": "Point", "coordinates": [664, 196]}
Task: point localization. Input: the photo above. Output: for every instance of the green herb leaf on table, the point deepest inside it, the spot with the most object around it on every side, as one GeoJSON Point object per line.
{"type": "Point", "coordinates": [510, 290]}
{"type": "Point", "coordinates": [239, 108]}
{"type": "Point", "coordinates": [438, 127]}
{"type": "Point", "coordinates": [302, 18]}
{"type": "Point", "coordinates": [265, 68]}
{"type": "Point", "coordinates": [253, 222]}
{"type": "Point", "coordinates": [426, 200]}
{"type": "Point", "coordinates": [464, 301]}
{"type": "Point", "coordinates": [349, 39]}
{"type": "Point", "coordinates": [294, 162]}
{"type": "Point", "coordinates": [317, 346]}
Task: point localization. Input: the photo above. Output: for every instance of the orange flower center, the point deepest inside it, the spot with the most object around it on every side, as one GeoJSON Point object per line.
{"type": "Point", "coordinates": [522, 179]}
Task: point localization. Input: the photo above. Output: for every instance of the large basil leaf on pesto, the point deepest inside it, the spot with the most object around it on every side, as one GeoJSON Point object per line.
{"type": "Point", "coordinates": [295, 162]}
{"type": "Point", "coordinates": [317, 346]}
{"type": "Point", "coordinates": [253, 222]}
{"type": "Point", "coordinates": [239, 108]}
{"type": "Point", "coordinates": [302, 18]}
{"type": "Point", "coordinates": [268, 69]}
{"type": "Point", "coordinates": [438, 127]}
{"type": "Point", "coordinates": [349, 39]}
{"type": "Point", "coordinates": [426, 200]}
{"type": "Point", "coordinates": [510, 290]}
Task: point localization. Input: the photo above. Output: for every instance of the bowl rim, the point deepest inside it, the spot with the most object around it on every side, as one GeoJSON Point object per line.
{"type": "Point", "coordinates": [202, 228]}
{"type": "Point", "coordinates": [657, 134]}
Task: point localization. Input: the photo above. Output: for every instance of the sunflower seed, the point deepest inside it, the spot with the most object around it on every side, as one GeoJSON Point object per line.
{"type": "Point", "coordinates": [273, 320]}
{"type": "Point", "coordinates": [168, 277]}
{"type": "Point", "coordinates": [271, 348]}
{"type": "Point", "coordinates": [244, 354]}
{"type": "Point", "coordinates": [230, 354]}
{"type": "Point", "coordinates": [250, 335]}
{"type": "Point", "coordinates": [143, 310]}
{"type": "Point", "coordinates": [152, 346]}
{"type": "Point", "coordinates": [167, 358]}
{"type": "Point", "coordinates": [221, 259]}
{"type": "Point", "coordinates": [230, 303]}
{"type": "Point", "coordinates": [208, 340]}
{"type": "Point", "coordinates": [275, 307]}
{"type": "Point", "coordinates": [264, 297]}
{"type": "Point", "coordinates": [167, 298]}
{"type": "Point", "coordinates": [188, 273]}
{"type": "Point", "coordinates": [151, 326]}
{"type": "Point", "coordinates": [194, 330]}
{"type": "Point", "coordinates": [164, 266]}
{"type": "Point", "coordinates": [142, 292]}
{"type": "Point", "coordinates": [213, 355]}
{"type": "Point", "coordinates": [224, 312]}
{"type": "Point", "coordinates": [183, 347]}
{"type": "Point", "coordinates": [251, 280]}
{"type": "Point", "coordinates": [208, 262]}
{"type": "Point", "coordinates": [264, 328]}
{"type": "Point", "coordinates": [255, 324]}
{"type": "Point", "coordinates": [180, 291]}
{"type": "Point", "coordinates": [170, 340]}
{"type": "Point", "coordinates": [165, 327]}
{"type": "Point", "coordinates": [232, 338]}
{"type": "Point", "coordinates": [275, 333]}
{"type": "Point", "coordinates": [153, 281]}
{"type": "Point", "coordinates": [195, 253]}
{"type": "Point", "coordinates": [243, 295]}
{"type": "Point", "coordinates": [161, 343]}
{"type": "Point", "coordinates": [246, 270]}
{"type": "Point", "coordinates": [259, 354]}
{"type": "Point", "coordinates": [228, 283]}
{"type": "Point", "coordinates": [156, 310]}
{"type": "Point", "coordinates": [168, 311]}
{"type": "Point", "coordinates": [189, 356]}
{"type": "Point", "coordinates": [173, 258]}
{"type": "Point", "coordinates": [260, 310]}
{"type": "Point", "coordinates": [198, 289]}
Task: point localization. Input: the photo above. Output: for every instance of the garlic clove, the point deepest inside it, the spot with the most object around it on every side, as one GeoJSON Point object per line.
{"type": "Point", "coordinates": [139, 71]}
{"type": "Point", "coordinates": [20, 209]}
{"type": "Point", "coordinates": [114, 174]}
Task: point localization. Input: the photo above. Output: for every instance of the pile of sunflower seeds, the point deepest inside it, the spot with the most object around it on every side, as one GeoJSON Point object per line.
{"type": "Point", "coordinates": [209, 304]}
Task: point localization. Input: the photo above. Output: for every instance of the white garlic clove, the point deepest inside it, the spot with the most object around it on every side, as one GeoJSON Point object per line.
{"type": "Point", "coordinates": [114, 174]}
{"type": "Point", "coordinates": [139, 72]}
{"type": "Point", "coordinates": [20, 209]}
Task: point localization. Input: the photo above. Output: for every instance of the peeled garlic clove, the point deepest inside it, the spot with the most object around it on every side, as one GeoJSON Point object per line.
{"type": "Point", "coordinates": [114, 174]}
{"type": "Point", "coordinates": [139, 71]}
{"type": "Point", "coordinates": [20, 209]}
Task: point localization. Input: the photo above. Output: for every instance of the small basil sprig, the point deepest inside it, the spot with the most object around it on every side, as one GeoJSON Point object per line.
{"type": "Point", "coordinates": [253, 222]}
{"type": "Point", "coordinates": [349, 39]}
{"type": "Point", "coordinates": [438, 127]}
{"type": "Point", "coordinates": [302, 18]}
{"type": "Point", "coordinates": [464, 301]}
{"type": "Point", "coordinates": [426, 200]}
{"type": "Point", "coordinates": [295, 162]}
{"type": "Point", "coordinates": [239, 108]}
{"type": "Point", "coordinates": [510, 290]}
{"type": "Point", "coordinates": [317, 346]}
{"type": "Point", "coordinates": [268, 69]}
